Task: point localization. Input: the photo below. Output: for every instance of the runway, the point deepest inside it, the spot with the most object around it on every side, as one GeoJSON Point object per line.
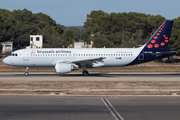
{"type": "Point", "coordinates": [27, 107]}
{"type": "Point", "coordinates": [16, 107]}
{"type": "Point", "coordinates": [91, 77]}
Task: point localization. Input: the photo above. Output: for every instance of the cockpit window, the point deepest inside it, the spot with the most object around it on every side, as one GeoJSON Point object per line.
{"type": "Point", "coordinates": [14, 54]}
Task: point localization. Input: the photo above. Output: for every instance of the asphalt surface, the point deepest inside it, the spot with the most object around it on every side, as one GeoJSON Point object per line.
{"type": "Point", "coordinates": [17, 107]}
{"type": "Point", "coordinates": [27, 107]}
{"type": "Point", "coordinates": [91, 77]}
{"type": "Point", "coordinates": [148, 107]}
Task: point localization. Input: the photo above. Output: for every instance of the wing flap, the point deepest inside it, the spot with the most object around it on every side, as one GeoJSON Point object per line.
{"type": "Point", "coordinates": [89, 61]}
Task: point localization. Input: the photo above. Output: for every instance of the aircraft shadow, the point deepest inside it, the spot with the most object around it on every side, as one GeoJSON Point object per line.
{"type": "Point", "coordinates": [119, 75]}
{"type": "Point", "coordinates": [94, 75]}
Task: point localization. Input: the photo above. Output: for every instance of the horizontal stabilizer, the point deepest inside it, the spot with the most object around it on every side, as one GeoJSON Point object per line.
{"type": "Point", "coordinates": [165, 53]}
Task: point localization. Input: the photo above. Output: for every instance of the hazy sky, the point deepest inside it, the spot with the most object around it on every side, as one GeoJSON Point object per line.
{"type": "Point", "coordinates": [74, 12]}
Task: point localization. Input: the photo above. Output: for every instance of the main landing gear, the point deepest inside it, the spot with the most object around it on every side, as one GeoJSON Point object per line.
{"type": "Point", "coordinates": [26, 73]}
{"type": "Point", "coordinates": [85, 73]}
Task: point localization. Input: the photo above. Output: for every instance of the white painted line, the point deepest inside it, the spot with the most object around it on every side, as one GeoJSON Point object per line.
{"type": "Point", "coordinates": [109, 109]}
{"type": "Point", "coordinates": [112, 110]}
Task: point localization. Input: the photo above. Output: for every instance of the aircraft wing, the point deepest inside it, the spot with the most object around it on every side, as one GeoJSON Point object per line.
{"type": "Point", "coordinates": [87, 61]}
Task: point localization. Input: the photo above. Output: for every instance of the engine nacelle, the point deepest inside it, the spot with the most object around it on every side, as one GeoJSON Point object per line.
{"type": "Point", "coordinates": [63, 68]}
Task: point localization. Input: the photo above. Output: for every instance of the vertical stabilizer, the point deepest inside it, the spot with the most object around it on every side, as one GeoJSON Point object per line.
{"type": "Point", "coordinates": [160, 39]}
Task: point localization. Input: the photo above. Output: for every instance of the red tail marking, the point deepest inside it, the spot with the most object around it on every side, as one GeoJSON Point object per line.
{"type": "Point", "coordinates": [150, 46]}
{"type": "Point", "coordinates": [155, 37]}
{"type": "Point", "coordinates": [157, 33]}
{"type": "Point", "coordinates": [162, 43]}
{"type": "Point", "coordinates": [156, 45]}
{"type": "Point", "coordinates": [153, 41]}
{"type": "Point", "coordinates": [166, 41]}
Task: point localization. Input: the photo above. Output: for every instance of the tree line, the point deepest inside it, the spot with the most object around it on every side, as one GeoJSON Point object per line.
{"type": "Point", "coordinates": [111, 30]}
{"type": "Point", "coordinates": [127, 29]}
{"type": "Point", "coordinates": [18, 25]}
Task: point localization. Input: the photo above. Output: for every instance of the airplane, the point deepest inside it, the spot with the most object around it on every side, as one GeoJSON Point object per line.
{"type": "Point", "coordinates": [66, 60]}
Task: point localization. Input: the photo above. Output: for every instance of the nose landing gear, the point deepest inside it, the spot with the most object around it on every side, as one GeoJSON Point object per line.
{"type": "Point", "coordinates": [26, 73]}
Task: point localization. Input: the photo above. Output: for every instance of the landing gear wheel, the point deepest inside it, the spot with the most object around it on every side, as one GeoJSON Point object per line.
{"type": "Point", "coordinates": [26, 73]}
{"type": "Point", "coordinates": [85, 73]}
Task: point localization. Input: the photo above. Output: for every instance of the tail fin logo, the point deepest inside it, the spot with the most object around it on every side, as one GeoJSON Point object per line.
{"type": "Point", "coordinates": [160, 39]}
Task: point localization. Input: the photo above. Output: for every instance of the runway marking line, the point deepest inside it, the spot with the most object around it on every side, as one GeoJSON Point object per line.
{"type": "Point", "coordinates": [112, 110]}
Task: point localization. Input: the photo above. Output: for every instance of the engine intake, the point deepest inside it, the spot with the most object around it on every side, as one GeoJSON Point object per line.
{"type": "Point", "coordinates": [63, 68]}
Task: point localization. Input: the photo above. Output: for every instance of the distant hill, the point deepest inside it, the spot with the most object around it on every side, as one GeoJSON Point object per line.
{"type": "Point", "coordinates": [79, 27]}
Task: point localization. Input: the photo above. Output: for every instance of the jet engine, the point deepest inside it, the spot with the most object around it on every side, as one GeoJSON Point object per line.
{"type": "Point", "coordinates": [65, 67]}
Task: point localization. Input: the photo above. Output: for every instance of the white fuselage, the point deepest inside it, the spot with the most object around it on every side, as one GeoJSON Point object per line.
{"type": "Point", "coordinates": [50, 56]}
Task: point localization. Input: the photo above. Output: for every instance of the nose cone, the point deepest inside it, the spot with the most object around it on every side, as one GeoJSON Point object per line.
{"type": "Point", "coordinates": [6, 61]}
